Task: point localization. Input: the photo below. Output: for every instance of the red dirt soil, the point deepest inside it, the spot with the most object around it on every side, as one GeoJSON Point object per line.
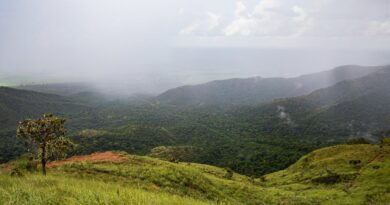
{"type": "Point", "coordinates": [6, 168]}
{"type": "Point", "coordinates": [95, 157]}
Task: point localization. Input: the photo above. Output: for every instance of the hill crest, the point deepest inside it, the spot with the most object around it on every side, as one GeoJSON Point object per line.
{"type": "Point", "coordinates": [254, 90]}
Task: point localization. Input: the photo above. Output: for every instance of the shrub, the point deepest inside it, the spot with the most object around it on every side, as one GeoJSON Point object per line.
{"type": "Point", "coordinates": [358, 141]}
{"type": "Point", "coordinates": [385, 141]}
{"type": "Point", "coordinates": [355, 163]}
{"type": "Point", "coordinates": [229, 173]}
{"type": "Point", "coordinates": [29, 164]}
{"type": "Point", "coordinates": [16, 173]}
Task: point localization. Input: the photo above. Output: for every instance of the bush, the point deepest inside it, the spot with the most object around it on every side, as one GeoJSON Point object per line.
{"type": "Point", "coordinates": [358, 141]}
{"type": "Point", "coordinates": [329, 179]}
{"type": "Point", "coordinates": [355, 163]}
{"type": "Point", "coordinates": [229, 173]}
{"type": "Point", "coordinates": [28, 164]}
{"type": "Point", "coordinates": [385, 141]}
{"type": "Point", "coordinates": [16, 173]}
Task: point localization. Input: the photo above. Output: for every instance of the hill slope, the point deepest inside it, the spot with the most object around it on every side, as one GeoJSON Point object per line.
{"type": "Point", "coordinates": [63, 89]}
{"type": "Point", "coordinates": [343, 174]}
{"type": "Point", "coordinates": [255, 90]}
{"type": "Point", "coordinates": [18, 104]}
{"type": "Point", "coordinates": [357, 107]}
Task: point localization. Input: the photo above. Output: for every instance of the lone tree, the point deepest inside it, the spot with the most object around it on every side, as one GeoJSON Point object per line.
{"type": "Point", "coordinates": [47, 134]}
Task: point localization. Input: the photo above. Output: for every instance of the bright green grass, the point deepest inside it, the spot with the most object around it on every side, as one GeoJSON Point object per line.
{"type": "Point", "coordinates": [145, 180]}
{"type": "Point", "coordinates": [371, 186]}
{"type": "Point", "coordinates": [36, 189]}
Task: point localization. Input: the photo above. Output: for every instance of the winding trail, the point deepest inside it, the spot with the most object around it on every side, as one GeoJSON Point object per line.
{"type": "Point", "coordinates": [354, 182]}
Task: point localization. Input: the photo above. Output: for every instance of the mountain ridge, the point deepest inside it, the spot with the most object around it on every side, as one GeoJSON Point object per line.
{"type": "Point", "coordinates": [242, 91]}
{"type": "Point", "coordinates": [16, 104]}
{"type": "Point", "coordinates": [364, 102]}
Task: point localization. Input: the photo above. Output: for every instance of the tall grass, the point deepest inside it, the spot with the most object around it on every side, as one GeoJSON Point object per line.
{"type": "Point", "coordinates": [144, 180]}
{"type": "Point", "coordinates": [37, 190]}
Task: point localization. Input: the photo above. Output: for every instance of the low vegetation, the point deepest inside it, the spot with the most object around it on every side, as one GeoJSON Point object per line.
{"type": "Point", "coordinates": [342, 174]}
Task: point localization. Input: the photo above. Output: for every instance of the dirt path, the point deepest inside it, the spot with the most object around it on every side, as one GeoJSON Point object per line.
{"type": "Point", "coordinates": [354, 182]}
{"type": "Point", "coordinates": [95, 157]}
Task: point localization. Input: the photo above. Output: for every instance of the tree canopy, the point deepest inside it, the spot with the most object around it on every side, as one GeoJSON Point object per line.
{"type": "Point", "coordinates": [46, 135]}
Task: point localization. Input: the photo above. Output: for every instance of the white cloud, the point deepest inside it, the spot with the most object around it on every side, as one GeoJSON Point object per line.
{"type": "Point", "coordinates": [283, 115]}
{"type": "Point", "coordinates": [214, 20]}
{"type": "Point", "coordinates": [302, 20]}
{"type": "Point", "coordinates": [189, 30]}
{"type": "Point", "coordinates": [241, 26]}
{"type": "Point", "coordinates": [205, 26]}
{"type": "Point", "coordinates": [265, 5]}
{"type": "Point", "coordinates": [181, 11]}
{"type": "Point", "coordinates": [296, 18]}
{"type": "Point", "coordinates": [379, 28]}
{"type": "Point", "coordinates": [301, 14]}
{"type": "Point", "coordinates": [268, 18]}
{"type": "Point", "coordinates": [240, 9]}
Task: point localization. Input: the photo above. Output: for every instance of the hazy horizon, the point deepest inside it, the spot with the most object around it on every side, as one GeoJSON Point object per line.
{"type": "Point", "coordinates": [149, 46]}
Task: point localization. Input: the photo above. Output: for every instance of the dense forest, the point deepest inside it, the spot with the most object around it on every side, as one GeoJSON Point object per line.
{"type": "Point", "coordinates": [250, 139]}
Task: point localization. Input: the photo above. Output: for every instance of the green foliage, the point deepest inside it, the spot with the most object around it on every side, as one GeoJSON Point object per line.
{"type": "Point", "coordinates": [180, 153]}
{"type": "Point", "coordinates": [324, 176]}
{"type": "Point", "coordinates": [57, 190]}
{"type": "Point", "coordinates": [16, 173]}
{"type": "Point", "coordinates": [385, 141]}
{"type": "Point", "coordinates": [26, 162]}
{"type": "Point", "coordinates": [255, 90]}
{"type": "Point", "coordinates": [252, 140]}
{"type": "Point", "coordinates": [358, 141]}
{"type": "Point", "coordinates": [10, 146]}
{"type": "Point", "coordinates": [357, 108]}
{"type": "Point", "coordinates": [329, 170]}
{"type": "Point", "coordinates": [137, 139]}
{"type": "Point", "coordinates": [229, 173]}
{"type": "Point", "coordinates": [47, 134]}
{"type": "Point", "coordinates": [16, 105]}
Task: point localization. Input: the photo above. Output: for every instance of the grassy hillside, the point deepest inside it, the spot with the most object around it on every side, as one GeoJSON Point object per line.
{"type": "Point", "coordinates": [343, 174]}
{"type": "Point", "coordinates": [36, 190]}
{"type": "Point", "coordinates": [347, 174]}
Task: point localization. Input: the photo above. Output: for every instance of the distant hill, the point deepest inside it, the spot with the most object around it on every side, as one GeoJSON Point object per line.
{"type": "Point", "coordinates": [257, 89]}
{"type": "Point", "coordinates": [88, 93]}
{"type": "Point", "coordinates": [63, 89]}
{"type": "Point", "coordinates": [16, 104]}
{"type": "Point", "coordinates": [343, 174]}
{"type": "Point", "coordinates": [78, 92]}
{"type": "Point", "coordinates": [359, 107]}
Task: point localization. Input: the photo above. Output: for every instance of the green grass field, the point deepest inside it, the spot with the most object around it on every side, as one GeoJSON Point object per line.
{"type": "Point", "coordinates": [343, 174]}
{"type": "Point", "coordinates": [54, 189]}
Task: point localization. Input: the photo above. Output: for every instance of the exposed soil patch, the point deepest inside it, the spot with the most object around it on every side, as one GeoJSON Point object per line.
{"type": "Point", "coordinates": [7, 168]}
{"type": "Point", "coordinates": [95, 157]}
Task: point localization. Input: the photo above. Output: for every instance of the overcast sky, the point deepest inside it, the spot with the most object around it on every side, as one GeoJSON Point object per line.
{"type": "Point", "coordinates": [156, 44]}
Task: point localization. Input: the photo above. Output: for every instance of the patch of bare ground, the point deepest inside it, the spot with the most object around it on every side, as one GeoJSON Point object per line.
{"type": "Point", "coordinates": [95, 157]}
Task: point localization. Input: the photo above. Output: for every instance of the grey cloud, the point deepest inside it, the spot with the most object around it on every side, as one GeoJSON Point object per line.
{"type": "Point", "coordinates": [150, 46]}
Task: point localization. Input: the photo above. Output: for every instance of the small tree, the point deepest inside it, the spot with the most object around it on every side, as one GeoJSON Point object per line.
{"type": "Point", "coordinates": [47, 134]}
